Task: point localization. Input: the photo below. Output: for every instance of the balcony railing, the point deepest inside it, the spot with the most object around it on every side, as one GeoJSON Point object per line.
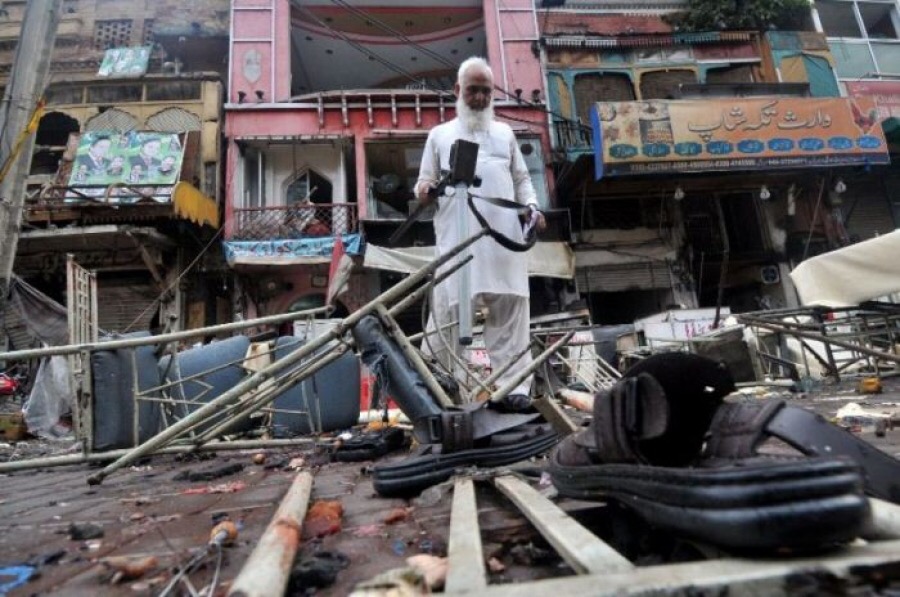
{"type": "Point", "coordinates": [573, 136]}
{"type": "Point", "coordinates": [295, 221]}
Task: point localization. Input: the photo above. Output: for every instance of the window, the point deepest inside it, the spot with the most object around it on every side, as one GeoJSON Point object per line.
{"type": "Point", "coordinates": [254, 181]}
{"type": "Point", "coordinates": [868, 32]}
{"type": "Point", "coordinates": [309, 185]}
{"type": "Point", "coordinates": [112, 34]}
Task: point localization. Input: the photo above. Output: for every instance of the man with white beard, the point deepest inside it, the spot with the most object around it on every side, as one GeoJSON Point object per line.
{"type": "Point", "coordinates": [499, 277]}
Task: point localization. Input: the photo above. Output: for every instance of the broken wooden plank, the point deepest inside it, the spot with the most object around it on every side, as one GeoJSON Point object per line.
{"type": "Point", "coordinates": [465, 560]}
{"type": "Point", "coordinates": [581, 549]}
{"type": "Point", "coordinates": [746, 577]}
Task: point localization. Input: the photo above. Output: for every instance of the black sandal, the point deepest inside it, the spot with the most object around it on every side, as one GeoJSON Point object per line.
{"type": "Point", "coordinates": [644, 449]}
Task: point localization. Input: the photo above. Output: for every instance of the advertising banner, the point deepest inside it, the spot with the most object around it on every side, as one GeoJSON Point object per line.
{"type": "Point", "coordinates": [125, 62]}
{"type": "Point", "coordinates": [885, 93]}
{"type": "Point", "coordinates": [135, 159]}
{"type": "Point", "coordinates": [729, 134]}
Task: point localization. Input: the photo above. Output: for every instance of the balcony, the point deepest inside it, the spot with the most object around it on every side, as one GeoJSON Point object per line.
{"type": "Point", "coordinates": [294, 222]}
{"type": "Point", "coordinates": [573, 138]}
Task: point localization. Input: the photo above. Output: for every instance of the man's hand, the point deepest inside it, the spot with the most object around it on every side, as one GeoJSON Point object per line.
{"type": "Point", "coordinates": [422, 192]}
{"type": "Point", "coordinates": [538, 220]}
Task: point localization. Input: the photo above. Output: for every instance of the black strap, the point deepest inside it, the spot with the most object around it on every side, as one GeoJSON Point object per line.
{"type": "Point", "coordinates": [503, 241]}
{"type": "Point", "coordinates": [740, 428]}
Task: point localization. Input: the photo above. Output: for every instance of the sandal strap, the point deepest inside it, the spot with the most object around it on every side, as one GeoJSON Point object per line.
{"type": "Point", "coordinates": [739, 428]}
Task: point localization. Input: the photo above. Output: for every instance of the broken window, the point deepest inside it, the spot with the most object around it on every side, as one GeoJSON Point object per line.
{"type": "Point", "coordinates": [64, 94]}
{"type": "Point", "coordinates": [665, 84]}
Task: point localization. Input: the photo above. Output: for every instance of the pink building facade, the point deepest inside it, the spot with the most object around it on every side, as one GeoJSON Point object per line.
{"type": "Point", "coordinates": [328, 108]}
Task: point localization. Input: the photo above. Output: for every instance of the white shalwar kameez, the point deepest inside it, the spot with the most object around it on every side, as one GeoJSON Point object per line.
{"type": "Point", "coordinates": [499, 277]}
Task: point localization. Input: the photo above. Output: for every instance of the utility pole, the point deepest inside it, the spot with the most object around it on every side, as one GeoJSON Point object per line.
{"type": "Point", "coordinates": [25, 88]}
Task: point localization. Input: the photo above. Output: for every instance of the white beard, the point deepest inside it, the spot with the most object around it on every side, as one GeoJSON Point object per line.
{"type": "Point", "coordinates": [473, 120]}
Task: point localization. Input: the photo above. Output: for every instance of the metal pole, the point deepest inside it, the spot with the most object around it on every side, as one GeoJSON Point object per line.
{"type": "Point", "coordinates": [390, 295]}
{"type": "Point", "coordinates": [537, 362]}
{"type": "Point", "coordinates": [71, 459]}
{"type": "Point", "coordinates": [495, 375]}
{"type": "Point", "coordinates": [27, 81]}
{"type": "Point", "coordinates": [161, 338]}
{"type": "Point", "coordinates": [414, 358]}
{"type": "Point", "coordinates": [266, 395]}
{"type": "Point", "coordinates": [266, 571]}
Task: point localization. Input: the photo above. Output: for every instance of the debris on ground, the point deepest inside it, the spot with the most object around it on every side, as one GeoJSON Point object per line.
{"type": "Point", "coordinates": [231, 487]}
{"type": "Point", "coordinates": [433, 568]}
{"type": "Point", "coordinates": [259, 459]}
{"type": "Point", "coordinates": [869, 385]}
{"type": "Point", "coordinates": [84, 531]}
{"type": "Point", "coordinates": [397, 515]}
{"type": "Point", "coordinates": [400, 582]}
{"type": "Point", "coordinates": [323, 519]}
{"type": "Point", "coordinates": [210, 474]}
{"type": "Point", "coordinates": [318, 570]}
{"type": "Point", "coordinates": [123, 568]}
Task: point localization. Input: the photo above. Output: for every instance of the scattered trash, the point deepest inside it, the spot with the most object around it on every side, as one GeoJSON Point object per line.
{"type": "Point", "coordinates": [137, 516]}
{"type": "Point", "coordinates": [296, 463]}
{"type": "Point", "coordinates": [93, 545]}
{"type": "Point", "coordinates": [869, 385]}
{"type": "Point", "coordinates": [323, 519]}
{"type": "Point", "coordinates": [232, 487]}
{"type": "Point", "coordinates": [399, 547]}
{"type": "Point", "coordinates": [495, 566]}
{"type": "Point", "coordinates": [83, 532]}
{"type": "Point", "coordinates": [145, 586]}
{"type": "Point", "coordinates": [224, 533]}
{"type": "Point", "coordinates": [124, 568]}
{"type": "Point", "coordinates": [259, 459]}
{"type": "Point", "coordinates": [399, 582]}
{"type": "Point", "coordinates": [528, 554]}
{"type": "Point", "coordinates": [211, 474]}
{"type": "Point", "coordinates": [318, 570]}
{"type": "Point", "coordinates": [882, 426]}
{"type": "Point", "coordinates": [140, 500]}
{"type": "Point", "coordinates": [19, 574]}
{"type": "Point", "coordinates": [51, 557]}
{"type": "Point", "coordinates": [853, 414]}
{"type": "Point", "coordinates": [369, 445]}
{"type": "Point", "coordinates": [369, 530]}
{"type": "Point", "coordinates": [433, 568]}
{"type": "Point", "coordinates": [397, 515]}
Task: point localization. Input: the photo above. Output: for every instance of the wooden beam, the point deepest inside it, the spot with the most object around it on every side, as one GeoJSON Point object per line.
{"type": "Point", "coordinates": [732, 575]}
{"type": "Point", "coordinates": [581, 549]}
{"type": "Point", "coordinates": [465, 559]}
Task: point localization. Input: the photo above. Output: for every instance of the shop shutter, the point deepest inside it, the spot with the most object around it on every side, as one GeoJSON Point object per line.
{"type": "Point", "coordinates": [622, 277]}
{"type": "Point", "coordinates": [868, 214]}
{"type": "Point", "coordinates": [126, 304]}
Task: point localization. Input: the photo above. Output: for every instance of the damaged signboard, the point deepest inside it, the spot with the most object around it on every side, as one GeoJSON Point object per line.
{"type": "Point", "coordinates": [125, 62]}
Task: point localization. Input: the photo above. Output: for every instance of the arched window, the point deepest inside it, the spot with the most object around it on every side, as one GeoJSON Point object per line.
{"type": "Point", "coordinates": [52, 136]}
{"type": "Point", "coordinates": [174, 120]}
{"type": "Point", "coordinates": [112, 120]}
{"type": "Point", "coordinates": [311, 184]}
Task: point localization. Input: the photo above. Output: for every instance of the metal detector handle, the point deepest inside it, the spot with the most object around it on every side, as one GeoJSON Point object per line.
{"type": "Point", "coordinates": [464, 274]}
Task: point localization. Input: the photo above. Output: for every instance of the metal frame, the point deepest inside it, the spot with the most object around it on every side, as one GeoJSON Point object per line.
{"type": "Point", "coordinates": [867, 334]}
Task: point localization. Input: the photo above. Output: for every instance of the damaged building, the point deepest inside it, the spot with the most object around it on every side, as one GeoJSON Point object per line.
{"type": "Point", "coordinates": [123, 75]}
{"type": "Point", "coordinates": [318, 151]}
{"type": "Point", "coordinates": [656, 231]}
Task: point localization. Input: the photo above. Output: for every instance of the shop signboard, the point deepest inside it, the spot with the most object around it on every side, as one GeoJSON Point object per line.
{"type": "Point", "coordinates": [732, 134]}
{"type": "Point", "coordinates": [886, 95]}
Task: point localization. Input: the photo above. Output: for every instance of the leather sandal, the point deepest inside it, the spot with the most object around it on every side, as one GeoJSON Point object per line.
{"type": "Point", "coordinates": [644, 449]}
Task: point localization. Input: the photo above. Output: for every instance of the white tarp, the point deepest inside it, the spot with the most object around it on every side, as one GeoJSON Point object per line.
{"type": "Point", "coordinates": [552, 260]}
{"type": "Point", "coordinates": [851, 275]}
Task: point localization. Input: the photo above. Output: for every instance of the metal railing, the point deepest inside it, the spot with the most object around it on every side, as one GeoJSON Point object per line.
{"type": "Point", "coordinates": [572, 135]}
{"type": "Point", "coordinates": [294, 221]}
